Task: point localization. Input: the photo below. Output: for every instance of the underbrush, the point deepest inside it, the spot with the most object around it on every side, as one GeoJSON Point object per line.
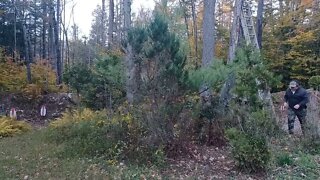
{"type": "Point", "coordinates": [10, 127]}
{"type": "Point", "coordinates": [311, 144]}
{"type": "Point", "coordinates": [43, 79]}
{"type": "Point", "coordinates": [249, 138]}
{"type": "Point", "coordinates": [113, 137]}
{"type": "Point", "coordinates": [250, 152]}
{"type": "Point", "coordinates": [292, 160]}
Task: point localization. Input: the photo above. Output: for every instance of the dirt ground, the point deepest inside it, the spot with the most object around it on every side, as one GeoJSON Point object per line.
{"type": "Point", "coordinates": [208, 163]}
{"type": "Point", "coordinates": [28, 109]}
{"type": "Point", "coordinates": [216, 163]}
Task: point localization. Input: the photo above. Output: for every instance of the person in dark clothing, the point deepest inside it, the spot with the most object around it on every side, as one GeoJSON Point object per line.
{"type": "Point", "coordinates": [296, 99]}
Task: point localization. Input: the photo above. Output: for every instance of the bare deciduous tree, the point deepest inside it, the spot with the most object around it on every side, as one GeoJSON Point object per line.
{"type": "Point", "coordinates": [111, 24]}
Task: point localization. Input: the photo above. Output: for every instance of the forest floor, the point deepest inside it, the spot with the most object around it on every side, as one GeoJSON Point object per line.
{"type": "Point", "coordinates": [30, 156]}
{"type": "Point", "coordinates": [208, 163]}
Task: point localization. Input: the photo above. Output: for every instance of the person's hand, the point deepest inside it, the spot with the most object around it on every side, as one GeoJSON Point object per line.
{"type": "Point", "coordinates": [284, 106]}
{"type": "Point", "coordinates": [296, 106]}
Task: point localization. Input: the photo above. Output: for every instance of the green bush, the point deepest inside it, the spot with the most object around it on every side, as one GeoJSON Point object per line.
{"type": "Point", "coordinates": [314, 82]}
{"type": "Point", "coordinates": [113, 137]}
{"type": "Point", "coordinates": [261, 123]}
{"type": "Point", "coordinates": [283, 159]}
{"type": "Point", "coordinates": [88, 137]}
{"type": "Point", "coordinates": [101, 85]}
{"type": "Point", "coordinates": [250, 152]}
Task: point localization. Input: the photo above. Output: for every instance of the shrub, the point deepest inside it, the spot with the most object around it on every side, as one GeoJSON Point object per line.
{"type": "Point", "coordinates": [114, 137]}
{"type": "Point", "coordinates": [14, 79]}
{"type": "Point", "coordinates": [44, 76]}
{"type": "Point", "coordinates": [10, 127]}
{"type": "Point", "coordinates": [101, 85]}
{"type": "Point", "coordinates": [250, 152]}
{"type": "Point", "coordinates": [89, 133]}
{"type": "Point", "coordinates": [283, 159]}
{"type": "Point", "coordinates": [314, 82]}
{"type": "Point", "coordinates": [260, 123]}
{"type": "Point", "coordinates": [70, 117]}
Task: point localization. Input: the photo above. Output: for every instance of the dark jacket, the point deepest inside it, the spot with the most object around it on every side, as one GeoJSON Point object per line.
{"type": "Point", "coordinates": [299, 97]}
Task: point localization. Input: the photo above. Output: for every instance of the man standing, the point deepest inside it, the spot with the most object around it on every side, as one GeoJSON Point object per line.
{"type": "Point", "coordinates": [296, 99]}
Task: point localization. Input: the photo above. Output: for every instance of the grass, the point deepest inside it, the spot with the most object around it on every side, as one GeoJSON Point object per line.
{"type": "Point", "coordinates": [292, 160]}
{"type": "Point", "coordinates": [30, 156]}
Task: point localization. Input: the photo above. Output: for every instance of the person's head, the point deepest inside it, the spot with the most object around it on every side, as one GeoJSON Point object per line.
{"type": "Point", "coordinates": [294, 85]}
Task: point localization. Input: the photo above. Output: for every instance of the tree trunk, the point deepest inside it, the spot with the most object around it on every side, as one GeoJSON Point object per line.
{"type": "Point", "coordinates": [44, 29]}
{"type": "Point", "coordinates": [63, 34]}
{"type": "Point", "coordinates": [103, 19]}
{"type": "Point", "coordinates": [68, 48]}
{"type": "Point", "coordinates": [281, 8]}
{"type": "Point", "coordinates": [119, 20]}
{"type": "Point", "coordinates": [259, 22]}
{"type": "Point", "coordinates": [51, 52]}
{"type": "Point", "coordinates": [185, 16]}
{"type": "Point", "coordinates": [66, 40]}
{"type": "Point", "coordinates": [27, 52]}
{"type": "Point", "coordinates": [208, 44]}
{"type": "Point", "coordinates": [195, 26]}
{"type": "Point", "coordinates": [225, 95]}
{"type": "Point", "coordinates": [34, 53]}
{"type": "Point", "coordinates": [57, 43]}
{"type": "Point", "coordinates": [15, 32]}
{"type": "Point", "coordinates": [130, 68]}
{"type": "Point", "coordinates": [208, 33]}
{"type": "Point", "coordinates": [111, 24]}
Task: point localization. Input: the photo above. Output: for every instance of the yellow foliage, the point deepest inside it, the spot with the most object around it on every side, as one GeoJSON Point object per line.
{"type": "Point", "coordinates": [32, 90]}
{"type": "Point", "coordinates": [44, 77]}
{"type": "Point", "coordinates": [10, 127]}
{"type": "Point", "coordinates": [100, 118]}
{"type": "Point", "coordinates": [303, 37]}
{"type": "Point", "coordinates": [226, 8]}
{"type": "Point", "coordinates": [14, 78]}
{"type": "Point", "coordinates": [76, 116]}
{"type": "Point", "coordinates": [220, 50]}
{"type": "Point", "coordinates": [123, 114]}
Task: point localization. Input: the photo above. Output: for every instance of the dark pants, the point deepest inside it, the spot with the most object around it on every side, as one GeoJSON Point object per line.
{"type": "Point", "coordinates": [301, 114]}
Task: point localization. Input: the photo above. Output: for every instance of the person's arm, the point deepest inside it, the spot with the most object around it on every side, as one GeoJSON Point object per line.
{"type": "Point", "coordinates": [285, 104]}
{"type": "Point", "coordinates": [305, 99]}
{"type": "Point", "coordinates": [286, 97]}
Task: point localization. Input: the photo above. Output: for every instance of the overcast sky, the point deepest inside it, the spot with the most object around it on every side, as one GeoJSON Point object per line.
{"type": "Point", "coordinates": [83, 12]}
